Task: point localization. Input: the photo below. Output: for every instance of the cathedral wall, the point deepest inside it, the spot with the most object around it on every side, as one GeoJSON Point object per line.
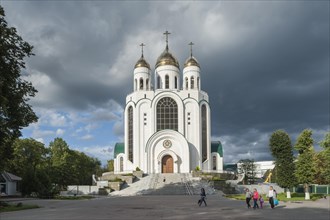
{"type": "Point", "coordinates": [144, 131]}
{"type": "Point", "coordinates": [192, 127]}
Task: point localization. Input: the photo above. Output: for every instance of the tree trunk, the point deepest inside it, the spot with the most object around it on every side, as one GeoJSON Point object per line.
{"type": "Point", "coordinates": [288, 193]}
{"type": "Point", "coordinates": [307, 195]}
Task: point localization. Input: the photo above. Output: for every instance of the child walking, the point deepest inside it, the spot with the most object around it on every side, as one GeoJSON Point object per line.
{"type": "Point", "coordinates": [261, 200]}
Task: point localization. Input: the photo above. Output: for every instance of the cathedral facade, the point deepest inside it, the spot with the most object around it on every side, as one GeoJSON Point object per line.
{"type": "Point", "coordinates": [167, 124]}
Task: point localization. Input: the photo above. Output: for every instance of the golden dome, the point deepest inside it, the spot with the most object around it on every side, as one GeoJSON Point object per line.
{"type": "Point", "coordinates": [166, 58]}
{"type": "Point", "coordinates": [191, 61]}
{"type": "Point", "coordinates": [142, 63]}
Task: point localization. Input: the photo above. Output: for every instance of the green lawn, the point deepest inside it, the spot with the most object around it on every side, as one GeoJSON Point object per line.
{"type": "Point", "coordinates": [281, 197]}
{"type": "Point", "coordinates": [9, 207]}
{"type": "Point", "coordinates": [74, 197]}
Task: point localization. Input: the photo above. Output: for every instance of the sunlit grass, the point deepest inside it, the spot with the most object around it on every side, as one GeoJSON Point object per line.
{"type": "Point", "coordinates": [74, 197]}
{"type": "Point", "coordinates": [281, 197]}
{"type": "Point", "coordinates": [10, 207]}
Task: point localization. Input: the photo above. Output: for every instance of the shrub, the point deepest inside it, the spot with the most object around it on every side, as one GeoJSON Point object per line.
{"type": "Point", "coordinates": [116, 180]}
{"type": "Point", "coordinates": [137, 169]}
{"type": "Point", "coordinates": [197, 168]}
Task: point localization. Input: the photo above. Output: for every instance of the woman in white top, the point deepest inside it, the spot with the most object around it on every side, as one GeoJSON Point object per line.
{"type": "Point", "coordinates": [271, 195]}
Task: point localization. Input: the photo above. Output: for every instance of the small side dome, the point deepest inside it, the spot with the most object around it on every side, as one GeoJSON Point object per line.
{"type": "Point", "coordinates": [166, 58]}
{"type": "Point", "coordinates": [191, 61]}
{"type": "Point", "coordinates": [142, 63]}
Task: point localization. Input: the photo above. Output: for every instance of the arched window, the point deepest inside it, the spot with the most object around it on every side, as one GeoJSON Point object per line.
{"type": "Point", "coordinates": [147, 84]}
{"type": "Point", "coordinates": [121, 164]}
{"type": "Point", "coordinates": [192, 82]}
{"type": "Point", "coordinates": [141, 83]}
{"type": "Point", "coordinates": [214, 162]}
{"type": "Point", "coordinates": [167, 82]}
{"type": "Point", "coordinates": [158, 82]}
{"type": "Point", "coordinates": [176, 82]}
{"type": "Point", "coordinates": [135, 88]}
{"type": "Point", "coordinates": [167, 114]}
{"type": "Point", "coordinates": [197, 82]}
{"type": "Point", "coordinates": [204, 133]}
{"type": "Point", "coordinates": [186, 82]}
{"type": "Point", "coordinates": [130, 133]}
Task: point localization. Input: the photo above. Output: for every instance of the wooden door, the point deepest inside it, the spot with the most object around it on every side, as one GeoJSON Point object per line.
{"type": "Point", "coordinates": [167, 164]}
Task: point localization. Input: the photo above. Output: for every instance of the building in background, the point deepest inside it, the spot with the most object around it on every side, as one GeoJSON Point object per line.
{"type": "Point", "coordinates": [9, 184]}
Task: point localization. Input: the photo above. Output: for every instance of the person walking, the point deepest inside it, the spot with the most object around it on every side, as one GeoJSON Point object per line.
{"type": "Point", "coordinates": [271, 195]}
{"type": "Point", "coordinates": [202, 199]}
{"type": "Point", "coordinates": [261, 200]}
{"type": "Point", "coordinates": [255, 198]}
{"type": "Point", "coordinates": [248, 197]}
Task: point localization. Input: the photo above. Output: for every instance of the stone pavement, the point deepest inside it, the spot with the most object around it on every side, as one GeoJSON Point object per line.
{"type": "Point", "coordinates": [165, 207]}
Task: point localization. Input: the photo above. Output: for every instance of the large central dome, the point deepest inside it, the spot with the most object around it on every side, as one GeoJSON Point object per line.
{"type": "Point", "coordinates": [166, 58]}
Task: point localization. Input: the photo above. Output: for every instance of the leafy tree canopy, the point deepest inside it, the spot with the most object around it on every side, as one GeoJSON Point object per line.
{"type": "Point", "coordinates": [281, 148]}
{"type": "Point", "coordinates": [15, 112]}
{"type": "Point", "coordinates": [304, 141]}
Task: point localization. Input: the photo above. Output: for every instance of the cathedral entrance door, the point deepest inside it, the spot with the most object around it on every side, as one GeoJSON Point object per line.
{"type": "Point", "coordinates": [167, 164]}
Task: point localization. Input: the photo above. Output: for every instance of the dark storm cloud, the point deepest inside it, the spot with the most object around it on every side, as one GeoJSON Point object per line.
{"type": "Point", "coordinates": [277, 78]}
{"type": "Point", "coordinates": [265, 65]}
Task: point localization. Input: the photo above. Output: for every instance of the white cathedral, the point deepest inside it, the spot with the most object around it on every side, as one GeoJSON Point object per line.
{"type": "Point", "coordinates": [167, 127]}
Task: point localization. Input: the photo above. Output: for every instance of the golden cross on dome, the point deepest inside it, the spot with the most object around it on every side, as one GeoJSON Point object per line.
{"type": "Point", "coordinates": [142, 45]}
{"type": "Point", "coordinates": [167, 33]}
{"type": "Point", "coordinates": [191, 44]}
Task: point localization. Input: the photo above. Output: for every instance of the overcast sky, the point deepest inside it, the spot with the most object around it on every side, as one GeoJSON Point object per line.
{"type": "Point", "coordinates": [264, 64]}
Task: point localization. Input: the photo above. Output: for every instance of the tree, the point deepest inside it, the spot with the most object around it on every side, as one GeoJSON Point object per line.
{"type": "Point", "coordinates": [305, 166]}
{"type": "Point", "coordinates": [110, 165]}
{"type": "Point", "coordinates": [281, 149]}
{"type": "Point", "coordinates": [322, 160]}
{"type": "Point", "coordinates": [70, 167]}
{"type": "Point", "coordinates": [62, 163]}
{"type": "Point", "coordinates": [247, 167]}
{"type": "Point", "coordinates": [30, 161]}
{"type": "Point", "coordinates": [15, 112]}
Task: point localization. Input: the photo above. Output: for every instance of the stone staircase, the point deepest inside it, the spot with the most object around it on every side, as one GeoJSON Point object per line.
{"type": "Point", "coordinates": [166, 184]}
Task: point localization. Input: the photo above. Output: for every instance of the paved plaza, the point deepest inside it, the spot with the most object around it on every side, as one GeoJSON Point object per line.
{"type": "Point", "coordinates": [165, 207]}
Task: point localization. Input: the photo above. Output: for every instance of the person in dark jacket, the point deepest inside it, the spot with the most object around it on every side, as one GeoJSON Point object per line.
{"type": "Point", "coordinates": [202, 199]}
{"type": "Point", "coordinates": [248, 197]}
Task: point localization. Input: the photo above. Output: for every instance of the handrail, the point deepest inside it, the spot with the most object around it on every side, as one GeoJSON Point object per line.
{"type": "Point", "coordinates": [187, 185]}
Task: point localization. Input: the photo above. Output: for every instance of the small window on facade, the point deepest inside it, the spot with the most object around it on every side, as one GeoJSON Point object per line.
{"type": "Point", "coordinates": [158, 82]}
{"type": "Point", "coordinates": [121, 169]}
{"type": "Point", "coordinates": [186, 82]}
{"type": "Point", "coordinates": [135, 84]}
{"type": "Point", "coordinates": [214, 162]}
{"type": "Point", "coordinates": [197, 82]}
{"type": "Point", "coordinates": [176, 82]}
{"type": "Point", "coordinates": [147, 84]}
{"type": "Point", "coordinates": [188, 123]}
{"type": "Point", "coordinates": [192, 82]}
{"type": "Point", "coordinates": [130, 133]}
{"type": "Point", "coordinates": [145, 114]}
{"type": "Point", "coordinates": [141, 83]}
{"type": "Point", "coordinates": [167, 82]}
{"type": "Point", "coordinates": [188, 113]}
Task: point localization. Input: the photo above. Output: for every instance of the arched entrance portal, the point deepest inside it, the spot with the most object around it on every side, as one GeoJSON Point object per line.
{"type": "Point", "coordinates": [167, 164]}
